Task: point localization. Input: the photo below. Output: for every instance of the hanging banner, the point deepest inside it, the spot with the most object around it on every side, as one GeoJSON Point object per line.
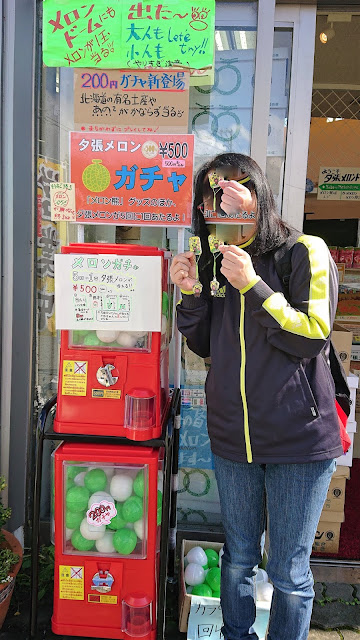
{"type": "Point", "coordinates": [124, 34]}
{"type": "Point", "coordinates": [339, 183]}
{"type": "Point", "coordinates": [132, 179]}
{"type": "Point", "coordinates": [138, 101]}
{"type": "Point", "coordinates": [108, 292]}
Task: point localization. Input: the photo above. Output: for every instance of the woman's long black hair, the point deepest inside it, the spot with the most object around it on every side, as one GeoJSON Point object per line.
{"type": "Point", "coordinates": [271, 230]}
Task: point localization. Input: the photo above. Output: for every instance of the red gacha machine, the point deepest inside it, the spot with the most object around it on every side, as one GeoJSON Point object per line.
{"type": "Point", "coordinates": [112, 307]}
{"type": "Point", "coordinates": [113, 374]}
{"type": "Point", "coordinates": [107, 529]}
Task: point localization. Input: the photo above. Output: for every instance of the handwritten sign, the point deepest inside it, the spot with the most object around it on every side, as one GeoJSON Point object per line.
{"type": "Point", "coordinates": [120, 34]}
{"type": "Point", "coordinates": [80, 34]}
{"type": "Point", "coordinates": [108, 292]}
{"type": "Point", "coordinates": [62, 202]}
{"type": "Point", "coordinates": [339, 183]}
{"type": "Point", "coordinates": [132, 179]}
{"type": "Point", "coordinates": [138, 101]}
{"type": "Point", "coordinates": [205, 620]}
{"type": "Point", "coordinates": [169, 34]}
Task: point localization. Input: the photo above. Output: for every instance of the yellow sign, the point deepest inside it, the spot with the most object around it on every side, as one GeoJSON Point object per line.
{"type": "Point", "coordinates": [71, 583]}
{"type": "Point", "coordinates": [74, 378]}
{"type": "Point", "coordinates": [106, 393]}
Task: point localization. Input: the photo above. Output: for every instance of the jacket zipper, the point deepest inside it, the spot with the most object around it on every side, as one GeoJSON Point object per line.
{"type": "Point", "coordinates": [242, 379]}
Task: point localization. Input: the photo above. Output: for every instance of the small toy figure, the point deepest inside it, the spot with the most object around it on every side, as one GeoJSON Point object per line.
{"type": "Point", "coordinates": [214, 244]}
{"type": "Point", "coordinates": [197, 289]}
{"type": "Point", "coordinates": [195, 245]}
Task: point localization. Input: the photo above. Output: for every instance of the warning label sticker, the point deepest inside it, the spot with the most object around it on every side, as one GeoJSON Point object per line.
{"type": "Point", "coordinates": [106, 393]}
{"type": "Point", "coordinates": [98, 598]}
{"type": "Point", "coordinates": [71, 583]}
{"type": "Point", "coordinates": [74, 378]}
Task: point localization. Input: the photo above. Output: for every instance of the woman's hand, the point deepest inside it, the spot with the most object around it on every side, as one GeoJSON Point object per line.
{"type": "Point", "coordinates": [236, 197]}
{"type": "Point", "coordinates": [236, 266]}
{"type": "Point", "coordinates": [183, 270]}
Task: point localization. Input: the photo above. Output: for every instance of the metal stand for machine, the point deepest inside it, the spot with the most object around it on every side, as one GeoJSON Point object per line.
{"type": "Point", "coordinates": [168, 520]}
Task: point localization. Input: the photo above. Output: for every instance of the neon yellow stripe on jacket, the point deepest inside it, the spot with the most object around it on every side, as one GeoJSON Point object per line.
{"type": "Point", "coordinates": [242, 379]}
{"type": "Point", "coordinates": [316, 323]}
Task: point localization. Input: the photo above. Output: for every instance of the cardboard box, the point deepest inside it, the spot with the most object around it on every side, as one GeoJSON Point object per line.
{"type": "Point", "coordinates": [185, 598]}
{"type": "Point", "coordinates": [342, 472]}
{"type": "Point", "coordinates": [335, 499]}
{"type": "Point", "coordinates": [327, 536]}
{"type": "Point", "coordinates": [354, 327]}
{"type": "Point", "coordinates": [342, 340]}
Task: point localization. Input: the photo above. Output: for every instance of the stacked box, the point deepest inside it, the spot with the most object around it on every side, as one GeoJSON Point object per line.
{"type": "Point", "coordinates": [342, 338]}
{"type": "Point", "coordinates": [328, 531]}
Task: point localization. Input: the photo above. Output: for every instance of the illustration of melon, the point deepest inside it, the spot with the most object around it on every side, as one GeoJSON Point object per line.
{"type": "Point", "coordinates": [96, 177]}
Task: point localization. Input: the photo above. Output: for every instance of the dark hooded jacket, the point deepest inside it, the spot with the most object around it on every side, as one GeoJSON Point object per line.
{"type": "Point", "coordinates": [270, 393]}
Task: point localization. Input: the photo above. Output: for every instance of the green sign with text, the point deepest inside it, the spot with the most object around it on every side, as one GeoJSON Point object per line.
{"type": "Point", "coordinates": [121, 34]}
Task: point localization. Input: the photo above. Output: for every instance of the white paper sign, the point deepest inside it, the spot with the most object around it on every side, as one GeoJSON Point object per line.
{"type": "Point", "coordinates": [107, 292]}
{"type": "Point", "coordinates": [205, 619]}
{"type": "Point", "coordinates": [62, 201]}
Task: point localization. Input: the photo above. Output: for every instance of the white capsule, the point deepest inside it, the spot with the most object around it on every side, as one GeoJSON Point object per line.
{"type": "Point", "coordinates": [126, 340]}
{"type": "Point", "coordinates": [107, 336]}
{"type": "Point", "coordinates": [79, 479]}
{"type": "Point", "coordinates": [121, 487]}
{"type": "Point", "coordinates": [105, 544]}
{"type": "Point", "coordinates": [138, 334]}
{"type": "Point", "coordinates": [264, 591]}
{"type": "Point", "coordinates": [68, 533]}
{"type": "Point", "coordinates": [221, 553]}
{"type": "Point", "coordinates": [91, 532]}
{"type": "Point", "coordinates": [261, 576]}
{"type": "Point", "coordinates": [194, 574]}
{"type": "Point", "coordinates": [139, 528]}
{"type": "Point", "coordinates": [197, 555]}
{"type": "Point", "coordinates": [98, 496]}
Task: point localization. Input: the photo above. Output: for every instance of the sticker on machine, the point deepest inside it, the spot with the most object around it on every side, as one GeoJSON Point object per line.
{"type": "Point", "coordinates": [74, 378]}
{"type": "Point", "coordinates": [115, 394]}
{"type": "Point", "coordinates": [98, 598]}
{"type": "Point", "coordinates": [71, 583]}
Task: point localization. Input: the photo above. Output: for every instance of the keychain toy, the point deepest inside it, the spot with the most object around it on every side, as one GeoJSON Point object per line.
{"type": "Point", "coordinates": [214, 244]}
{"type": "Point", "coordinates": [195, 246]}
{"type": "Point", "coordinates": [214, 179]}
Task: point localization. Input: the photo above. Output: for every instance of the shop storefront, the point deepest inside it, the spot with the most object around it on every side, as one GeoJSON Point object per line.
{"type": "Point", "coordinates": [259, 100]}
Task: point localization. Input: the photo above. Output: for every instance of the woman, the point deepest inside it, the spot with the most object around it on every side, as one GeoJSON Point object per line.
{"type": "Point", "coordinates": [272, 421]}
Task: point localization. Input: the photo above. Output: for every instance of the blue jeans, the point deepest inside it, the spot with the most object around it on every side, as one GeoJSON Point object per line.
{"type": "Point", "coordinates": [293, 496]}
